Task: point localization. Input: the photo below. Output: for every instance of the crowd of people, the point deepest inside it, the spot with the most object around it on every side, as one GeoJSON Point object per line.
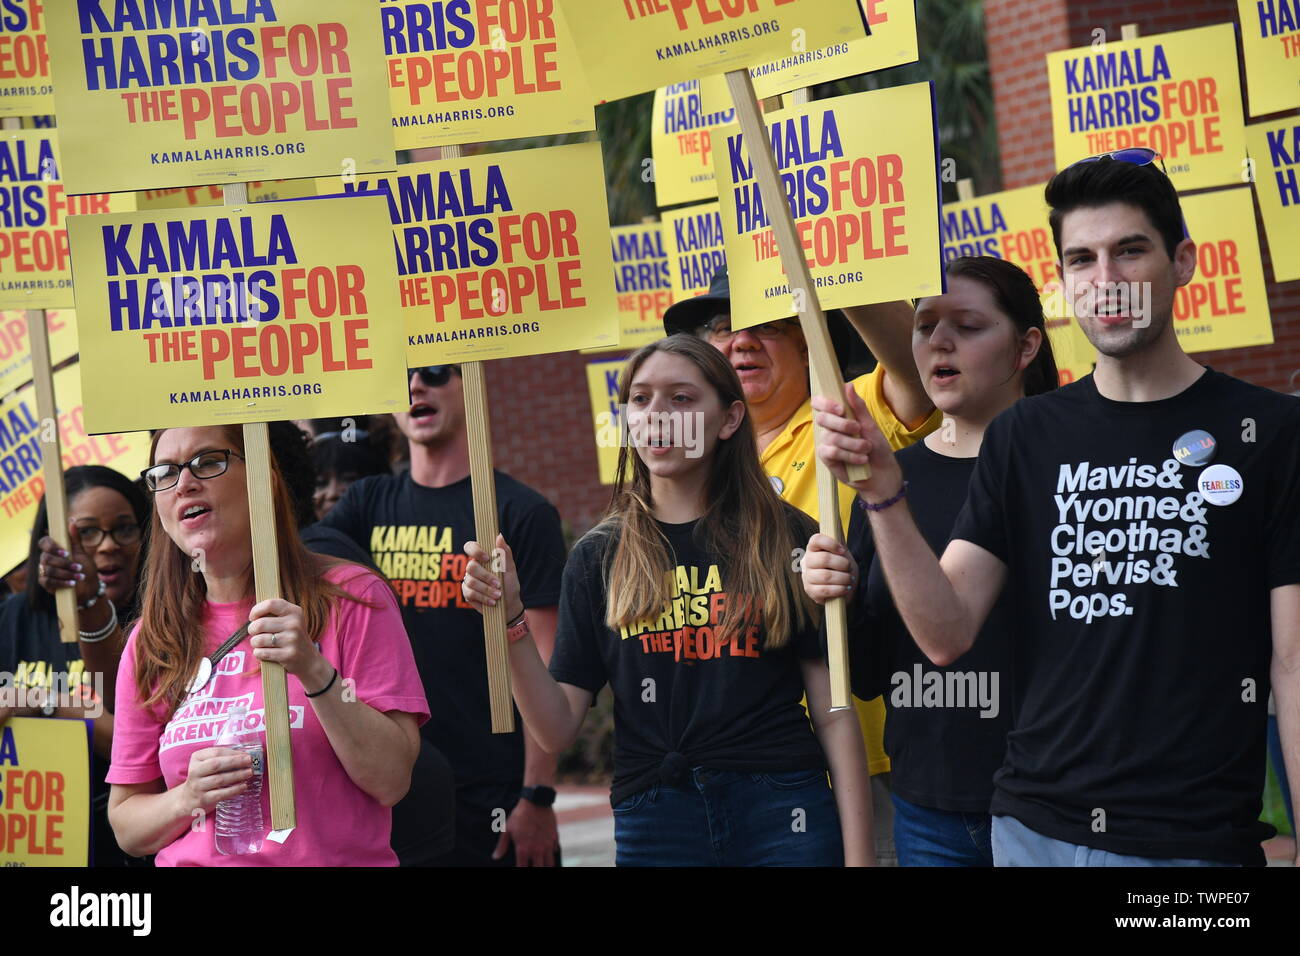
{"type": "Point", "coordinates": [1067, 606]}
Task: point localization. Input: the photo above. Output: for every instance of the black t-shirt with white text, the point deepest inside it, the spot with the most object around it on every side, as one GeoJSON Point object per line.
{"type": "Point", "coordinates": [416, 536]}
{"type": "Point", "coordinates": [681, 699]}
{"type": "Point", "coordinates": [946, 729]}
{"type": "Point", "coordinates": [1144, 641]}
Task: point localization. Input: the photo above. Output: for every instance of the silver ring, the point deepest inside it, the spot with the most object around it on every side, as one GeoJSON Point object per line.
{"type": "Point", "coordinates": [275, 640]}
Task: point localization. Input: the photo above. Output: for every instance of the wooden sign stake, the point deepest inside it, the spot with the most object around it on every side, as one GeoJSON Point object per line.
{"type": "Point", "coordinates": [824, 373]}
{"type": "Point", "coordinates": [266, 585]}
{"type": "Point", "coordinates": [965, 190]}
{"type": "Point", "coordinates": [483, 486]}
{"type": "Point", "coordinates": [47, 410]}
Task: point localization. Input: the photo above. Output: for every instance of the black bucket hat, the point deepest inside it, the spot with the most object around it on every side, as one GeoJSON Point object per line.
{"type": "Point", "coordinates": [689, 314]}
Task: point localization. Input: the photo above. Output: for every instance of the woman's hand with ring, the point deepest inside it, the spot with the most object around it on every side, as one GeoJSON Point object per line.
{"type": "Point", "coordinates": [276, 634]}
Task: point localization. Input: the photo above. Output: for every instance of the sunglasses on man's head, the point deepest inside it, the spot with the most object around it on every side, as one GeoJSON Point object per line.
{"type": "Point", "coordinates": [434, 376]}
{"type": "Point", "coordinates": [1136, 156]}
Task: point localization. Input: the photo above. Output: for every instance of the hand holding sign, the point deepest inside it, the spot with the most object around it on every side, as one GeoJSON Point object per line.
{"type": "Point", "coordinates": [70, 568]}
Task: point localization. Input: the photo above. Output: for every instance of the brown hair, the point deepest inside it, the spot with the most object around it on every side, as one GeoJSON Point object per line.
{"type": "Point", "coordinates": [169, 644]}
{"type": "Point", "coordinates": [744, 520]}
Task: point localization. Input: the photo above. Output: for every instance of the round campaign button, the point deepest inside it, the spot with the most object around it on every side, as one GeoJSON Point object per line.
{"type": "Point", "coordinates": [777, 483]}
{"type": "Point", "coordinates": [1220, 484]}
{"type": "Point", "coordinates": [1194, 448]}
{"type": "Point", "coordinates": [201, 678]}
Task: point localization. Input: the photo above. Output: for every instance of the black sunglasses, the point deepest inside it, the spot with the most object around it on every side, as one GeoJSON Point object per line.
{"type": "Point", "coordinates": [434, 376]}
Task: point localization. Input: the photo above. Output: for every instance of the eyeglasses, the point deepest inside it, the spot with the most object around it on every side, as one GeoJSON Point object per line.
{"type": "Point", "coordinates": [206, 464]}
{"type": "Point", "coordinates": [93, 535]}
{"type": "Point", "coordinates": [719, 329]}
{"type": "Point", "coordinates": [434, 376]}
{"type": "Point", "coordinates": [1136, 155]}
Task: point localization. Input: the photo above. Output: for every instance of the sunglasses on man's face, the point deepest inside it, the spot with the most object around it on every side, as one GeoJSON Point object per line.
{"type": "Point", "coordinates": [433, 376]}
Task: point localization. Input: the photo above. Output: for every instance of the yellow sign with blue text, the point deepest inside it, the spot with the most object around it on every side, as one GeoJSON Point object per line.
{"type": "Point", "coordinates": [860, 178]}
{"type": "Point", "coordinates": [1270, 44]}
{"type": "Point", "coordinates": [500, 255]}
{"type": "Point", "coordinates": [25, 86]}
{"type": "Point", "coordinates": [631, 46]}
{"type": "Point", "coordinates": [603, 379]}
{"type": "Point", "coordinates": [681, 143]}
{"type": "Point", "coordinates": [641, 282]}
{"type": "Point", "coordinates": [35, 266]}
{"type": "Point", "coordinates": [696, 247]}
{"type": "Point", "coordinates": [23, 438]}
{"type": "Point", "coordinates": [16, 348]}
{"type": "Point", "coordinates": [1175, 93]}
{"type": "Point", "coordinates": [1275, 150]}
{"type": "Point", "coordinates": [44, 792]}
{"type": "Point", "coordinates": [198, 93]}
{"type": "Point", "coordinates": [238, 314]}
{"type": "Point", "coordinates": [474, 71]}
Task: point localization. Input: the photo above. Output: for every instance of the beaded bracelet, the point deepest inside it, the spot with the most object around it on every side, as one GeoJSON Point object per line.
{"type": "Point", "coordinates": [902, 493]}
{"type": "Point", "coordinates": [94, 637]}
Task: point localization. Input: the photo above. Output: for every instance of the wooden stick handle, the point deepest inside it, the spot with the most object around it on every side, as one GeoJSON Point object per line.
{"type": "Point", "coordinates": [821, 354]}
{"type": "Point", "coordinates": [483, 484]}
{"type": "Point", "coordinates": [965, 190]}
{"type": "Point", "coordinates": [266, 585]}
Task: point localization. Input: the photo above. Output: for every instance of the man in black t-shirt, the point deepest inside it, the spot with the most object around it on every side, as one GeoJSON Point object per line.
{"type": "Point", "coordinates": [414, 526]}
{"type": "Point", "coordinates": [1145, 522]}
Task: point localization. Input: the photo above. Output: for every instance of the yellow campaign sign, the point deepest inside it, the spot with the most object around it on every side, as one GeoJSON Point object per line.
{"type": "Point", "coordinates": [696, 247]}
{"type": "Point", "coordinates": [197, 92]}
{"type": "Point", "coordinates": [859, 173]}
{"type": "Point", "coordinates": [35, 263]}
{"type": "Point", "coordinates": [1013, 225]}
{"type": "Point", "coordinates": [25, 86]}
{"type": "Point", "coordinates": [44, 792]}
{"type": "Point", "coordinates": [641, 282]}
{"type": "Point", "coordinates": [1225, 306]}
{"type": "Point", "coordinates": [238, 314]}
{"type": "Point", "coordinates": [473, 71]}
{"type": "Point", "coordinates": [1275, 149]}
{"type": "Point", "coordinates": [1176, 93]}
{"type": "Point", "coordinates": [603, 380]}
{"type": "Point", "coordinates": [22, 448]}
{"type": "Point", "coordinates": [892, 43]}
{"type": "Point", "coordinates": [1270, 44]}
{"type": "Point", "coordinates": [631, 46]}
{"type": "Point", "coordinates": [681, 143]}
{"type": "Point", "coordinates": [16, 348]}
{"type": "Point", "coordinates": [501, 255]}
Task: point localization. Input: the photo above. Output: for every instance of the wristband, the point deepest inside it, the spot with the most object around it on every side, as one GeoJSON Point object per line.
{"type": "Point", "coordinates": [94, 637]}
{"type": "Point", "coordinates": [333, 678]}
{"type": "Point", "coordinates": [902, 493]}
{"type": "Point", "coordinates": [518, 629]}
{"type": "Point", "coordinates": [95, 600]}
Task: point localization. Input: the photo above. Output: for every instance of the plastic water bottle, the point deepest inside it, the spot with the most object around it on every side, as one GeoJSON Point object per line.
{"type": "Point", "coordinates": [239, 818]}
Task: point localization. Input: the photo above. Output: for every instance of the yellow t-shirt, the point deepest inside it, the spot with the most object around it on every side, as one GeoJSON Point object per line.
{"type": "Point", "coordinates": [790, 462]}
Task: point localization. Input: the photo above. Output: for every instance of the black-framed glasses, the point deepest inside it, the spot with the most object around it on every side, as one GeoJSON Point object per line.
{"type": "Point", "coordinates": [719, 329]}
{"type": "Point", "coordinates": [206, 464]}
{"type": "Point", "coordinates": [92, 536]}
{"type": "Point", "coordinates": [1136, 155]}
{"type": "Point", "coordinates": [434, 376]}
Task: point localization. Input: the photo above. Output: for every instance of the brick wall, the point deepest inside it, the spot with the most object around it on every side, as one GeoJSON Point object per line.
{"type": "Point", "coordinates": [541, 418]}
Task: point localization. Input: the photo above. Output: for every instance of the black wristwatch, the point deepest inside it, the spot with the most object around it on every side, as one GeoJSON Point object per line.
{"type": "Point", "coordinates": [539, 796]}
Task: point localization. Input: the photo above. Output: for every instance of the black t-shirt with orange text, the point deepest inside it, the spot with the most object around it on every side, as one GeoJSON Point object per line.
{"type": "Point", "coordinates": [682, 699]}
{"type": "Point", "coordinates": [416, 537]}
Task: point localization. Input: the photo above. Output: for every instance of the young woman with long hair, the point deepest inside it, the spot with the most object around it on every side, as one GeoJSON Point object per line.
{"type": "Point", "coordinates": [980, 348]}
{"type": "Point", "coordinates": [355, 700]}
{"type": "Point", "coordinates": [685, 601]}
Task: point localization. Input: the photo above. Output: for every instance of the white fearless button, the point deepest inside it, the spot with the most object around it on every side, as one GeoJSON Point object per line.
{"type": "Point", "coordinates": [1220, 484]}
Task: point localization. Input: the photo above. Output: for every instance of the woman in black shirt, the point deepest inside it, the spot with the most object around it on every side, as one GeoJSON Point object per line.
{"type": "Point", "coordinates": [979, 348]}
{"type": "Point", "coordinates": [684, 601]}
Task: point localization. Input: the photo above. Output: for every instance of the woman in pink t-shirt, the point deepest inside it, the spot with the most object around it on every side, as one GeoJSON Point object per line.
{"type": "Point", "coordinates": [355, 698]}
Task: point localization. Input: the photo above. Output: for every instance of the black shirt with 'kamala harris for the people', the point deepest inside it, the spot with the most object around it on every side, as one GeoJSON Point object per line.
{"type": "Point", "coordinates": [681, 698]}
{"type": "Point", "coordinates": [1140, 571]}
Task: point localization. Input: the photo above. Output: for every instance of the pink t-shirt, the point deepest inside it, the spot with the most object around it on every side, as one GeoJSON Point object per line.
{"type": "Point", "coordinates": [338, 824]}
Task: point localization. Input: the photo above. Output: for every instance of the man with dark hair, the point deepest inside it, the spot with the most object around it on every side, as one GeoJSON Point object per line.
{"type": "Point", "coordinates": [1146, 523]}
{"type": "Point", "coordinates": [415, 525]}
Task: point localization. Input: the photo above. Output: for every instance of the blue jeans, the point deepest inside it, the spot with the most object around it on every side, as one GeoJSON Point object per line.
{"type": "Point", "coordinates": [1014, 844]}
{"type": "Point", "coordinates": [926, 836]}
{"type": "Point", "coordinates": [725, 818]}
{"type": "Point", "coordinates": [1279, 767]}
